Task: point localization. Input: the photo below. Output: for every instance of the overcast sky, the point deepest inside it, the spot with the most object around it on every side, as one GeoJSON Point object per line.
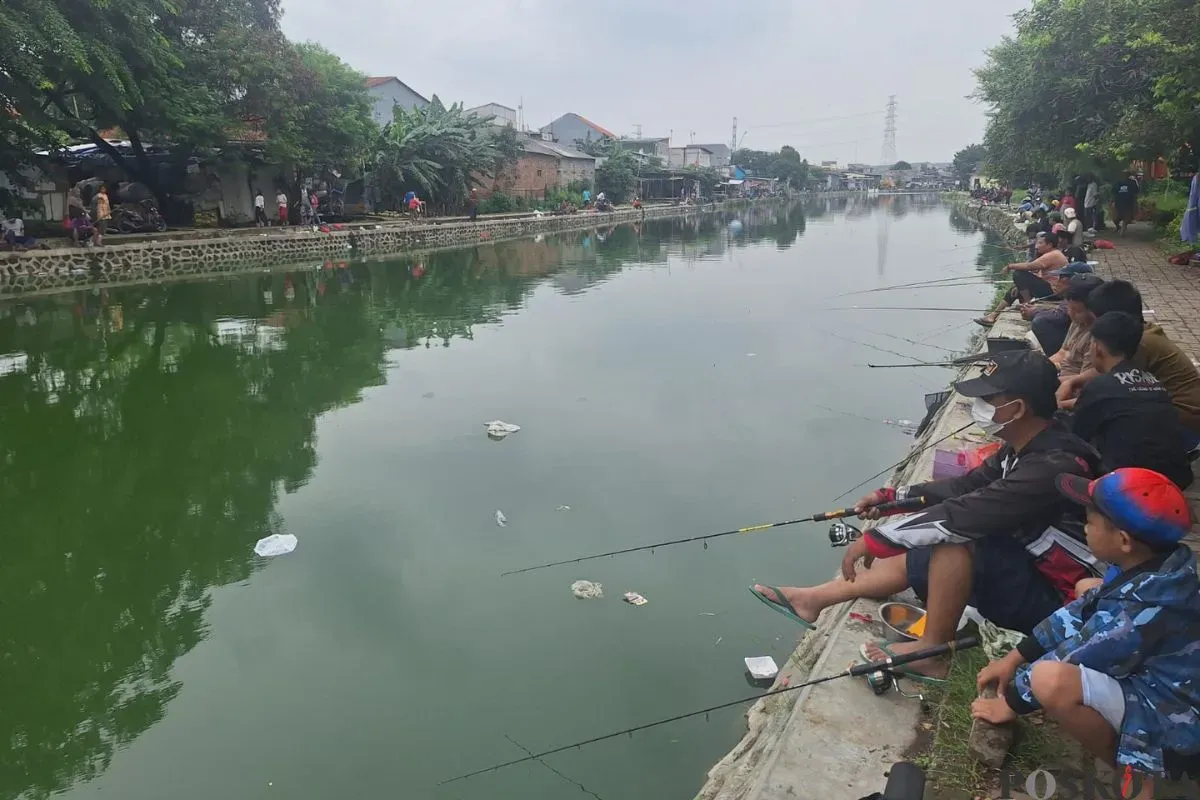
{"type": "Point", "coordinates": [784, 68]}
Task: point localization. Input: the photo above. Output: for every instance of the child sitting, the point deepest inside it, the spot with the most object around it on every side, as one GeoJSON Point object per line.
{"type": "Point", "coordinates": [1117, 667]}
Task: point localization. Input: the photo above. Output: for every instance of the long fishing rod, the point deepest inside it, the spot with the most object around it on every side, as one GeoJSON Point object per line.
{"type": "Point", "coordinates": [953, 280]}
{"type": "Point", "coordinates": [962, 361]}
{"type": "Point", "coordinates": [871, 346]}
{"type": "Point", "coordinates": [903, 461]}
{"type": "Point", "coordinates": [910, 341]}
{"type": "Point", "coordinates": [901, 308]}
{"type": "Point", "coordinates": [854, 671]}
{"type": "Point", "coordinates": [899, 506]}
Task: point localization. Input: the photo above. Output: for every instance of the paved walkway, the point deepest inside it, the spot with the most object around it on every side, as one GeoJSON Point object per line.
{"type": "Point", "coordinates": [1172, 292]}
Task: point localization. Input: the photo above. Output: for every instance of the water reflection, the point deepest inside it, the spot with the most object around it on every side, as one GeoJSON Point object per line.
{"type": "Point", "coordinates": [147, 434]}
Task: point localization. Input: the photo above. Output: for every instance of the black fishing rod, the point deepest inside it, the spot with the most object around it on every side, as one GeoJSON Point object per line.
{"type": "Point", "coordinates": [954, 280]}
{"type": "Point", "coordinates": [903, 461]}
{"type": "Point", "coordinates": [854, 671]}
{"type": "Point", "coordinates": [899, 506]}
{"type": "Point", "coordinates": [871, 346]}
{"type": "Point", "coordinates": [956, 362]}
{"type": "Point", "coordinates": [901, 308]}
{"type": "Point", "coordinates": [910, 341]}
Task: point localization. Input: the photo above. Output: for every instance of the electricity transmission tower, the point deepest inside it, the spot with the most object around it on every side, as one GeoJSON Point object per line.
{"type": "Point", "coordinates": [889, 133]}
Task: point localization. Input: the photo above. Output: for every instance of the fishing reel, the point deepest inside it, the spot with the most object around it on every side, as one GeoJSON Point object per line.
{"type": "Point", "coordinates": [883, 681]}
{"type": "Point", "coordinates": [843, 533]}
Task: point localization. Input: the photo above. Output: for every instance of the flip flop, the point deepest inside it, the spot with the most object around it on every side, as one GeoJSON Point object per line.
{"type": "Point", "coordinates": [782, 606]}
{"type": "Point", "coordinates": [984, 321]}
{"type": "Point", "coordinates": [902, 670]}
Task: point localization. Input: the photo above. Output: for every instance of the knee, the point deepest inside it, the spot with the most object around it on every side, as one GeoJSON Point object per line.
{"type": "Point", "coordinates": [1086, 585]}
{"type": "Point", "coordinates": [1056, 685]}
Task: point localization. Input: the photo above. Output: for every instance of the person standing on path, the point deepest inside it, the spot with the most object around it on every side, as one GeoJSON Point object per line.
{"type": "Point", "coordinates": [103, 209]}
{"type": "Point", "coordinates": [282, 201]}
{"type": "Point", "coordinates": [473, 204]}
{"type": "Point", "coordinates": [260, 210]}
{"type": "Point", "coordinates": [1125, 200]}
{"type": "Point", "coordinates": [1091, 199]}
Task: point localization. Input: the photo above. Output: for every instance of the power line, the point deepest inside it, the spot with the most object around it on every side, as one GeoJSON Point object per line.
{"type": "Point", "coordinates": [815, 119]}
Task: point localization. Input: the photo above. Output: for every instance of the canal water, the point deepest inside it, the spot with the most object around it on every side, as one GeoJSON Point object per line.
{"type": "Point", "coordinates": [670, 379]}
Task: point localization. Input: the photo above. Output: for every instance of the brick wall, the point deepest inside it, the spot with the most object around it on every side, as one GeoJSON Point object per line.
{"type": "Point", "coordinates": [530, 176]}
{"type": "Point", "coordinates": [576, 169]}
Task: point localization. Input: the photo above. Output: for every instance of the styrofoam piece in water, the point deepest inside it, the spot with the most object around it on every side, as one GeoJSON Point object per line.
{"type": "Point", "coordinates": [762, 667]}
{"type": "Point", "coordinates": [277, 544]}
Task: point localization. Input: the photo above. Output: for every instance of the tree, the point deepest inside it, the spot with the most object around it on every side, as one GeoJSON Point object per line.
{"type": "Point", "coordinates": [755, 162]}
{"type": "Point", "coordinates": [441, 150]}
{"type": "Point", "coordinates": [178, 71]}
{"type": "Point", "coordinates": [617, 176]}
{"type": "Point", "coordinates": [968, 161]}
{"type": "Point", "coordinates": [902, 166]}
{"type": "Point", "coordinates": [790, 168]}
{"type": "Point", "coordinates": [706, 176]}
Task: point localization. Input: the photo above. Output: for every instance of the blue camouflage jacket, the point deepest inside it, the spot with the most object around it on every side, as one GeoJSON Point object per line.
{"type": "Point", "coordinates": [1141, 627]}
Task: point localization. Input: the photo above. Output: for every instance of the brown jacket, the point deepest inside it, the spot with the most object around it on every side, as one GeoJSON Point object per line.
{"type": "Point", "coordinates": [1174, 370]}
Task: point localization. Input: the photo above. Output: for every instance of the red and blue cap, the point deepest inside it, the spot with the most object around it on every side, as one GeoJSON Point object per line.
{"type": "Point", "coordinates": [1143, 503]}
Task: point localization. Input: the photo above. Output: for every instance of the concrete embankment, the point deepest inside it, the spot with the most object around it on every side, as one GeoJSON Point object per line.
{"type": "Point", "coordinates": [835, 741]}
{"type": "Point", "coordinates": [166, 258]}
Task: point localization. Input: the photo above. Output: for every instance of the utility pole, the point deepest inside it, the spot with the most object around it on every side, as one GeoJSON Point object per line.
{"type": "Point", "coordinates": [637, 130]}
{"type": "Point", "coordinates": [889, 133]}
{"type": "Point", "coordinates": [733, 140]}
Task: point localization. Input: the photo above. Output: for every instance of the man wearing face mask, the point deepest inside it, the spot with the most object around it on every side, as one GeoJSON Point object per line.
{"type": "Point", "coordinates": [1000, 537]}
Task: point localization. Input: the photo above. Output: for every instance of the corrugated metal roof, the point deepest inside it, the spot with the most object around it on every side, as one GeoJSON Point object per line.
{"type": "Point", "coordinates": [379, 80]}
{"type": "Point", "coordinates": [553, 149]}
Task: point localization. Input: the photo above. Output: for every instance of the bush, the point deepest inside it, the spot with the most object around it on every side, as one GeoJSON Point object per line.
{"type": "Point", "coordinates": [498, 203]}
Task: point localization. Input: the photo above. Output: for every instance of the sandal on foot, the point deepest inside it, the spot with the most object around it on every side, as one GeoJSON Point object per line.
{"type": "Point", "coordinates": [782, 606]}
{"type": "Point", "coordinates": [903, 670]}
{"type": "Point", "coordinates": [984, 321]}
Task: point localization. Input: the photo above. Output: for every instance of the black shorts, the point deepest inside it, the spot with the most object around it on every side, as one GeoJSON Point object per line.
{"type": "Point", "coordinates": [1006, 587]}
{"type": "Point", "coordinates": [1026, 281]}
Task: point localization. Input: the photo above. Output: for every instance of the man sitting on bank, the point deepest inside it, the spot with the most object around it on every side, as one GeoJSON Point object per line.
{"type": "Point", "coordinates": [1076, 352]}
{"type": "Point", "coordinates": [1001, 537]}
{"type": "Point", "coordinates": [1050, 323]}
{"type": "Point", "coordinates": [1029, 277]}
{"type": "Point", "coordinates": [1125, 412]}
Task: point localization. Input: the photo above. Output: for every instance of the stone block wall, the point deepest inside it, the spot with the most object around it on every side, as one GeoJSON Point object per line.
{"type": "Point", "coordinates": [50, 270]}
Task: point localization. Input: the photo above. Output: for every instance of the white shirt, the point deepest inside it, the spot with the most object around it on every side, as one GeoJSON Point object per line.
{"type": "Point", "coordinates": [17, 226]}
{"type": "Point", "coordinates": [281, 199]}
{"type": "Point", "coordinates": [1090, 196]}
{"type": "Point", "coordinates": [260, 201]}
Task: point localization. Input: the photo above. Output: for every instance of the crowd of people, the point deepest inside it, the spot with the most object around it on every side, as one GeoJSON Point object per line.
{"type": "Point", "coordinates": [1076, 533]}
{"type": "Point", "coordinates": [1083, 203]}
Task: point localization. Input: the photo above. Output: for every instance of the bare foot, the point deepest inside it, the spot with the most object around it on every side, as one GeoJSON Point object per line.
{"type": "Point", "coordinates": [992, 709]}
{"type": "Point", "coordinates": [930, 667]}
{"type": "Point", "coordinates": [802, 599]}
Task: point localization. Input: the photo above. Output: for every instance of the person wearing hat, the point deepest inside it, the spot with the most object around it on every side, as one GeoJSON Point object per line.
{"type": "Point", "coordinates": [1125, 412]}
{"type": "Point", "coordinates": [1076, 353]}
{"type": "Point", "coordinates": [1000, 537]}
{"type": "Point", "coordinates": [1117, 668]}
{"type": "Point", "coordinates": [1049, 325]}
{"type": "Point", "coordinates": [1073, 226]}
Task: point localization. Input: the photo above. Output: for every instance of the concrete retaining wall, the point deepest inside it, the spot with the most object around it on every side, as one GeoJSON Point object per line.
{"type": "Point", "coordinates": [49, 270]}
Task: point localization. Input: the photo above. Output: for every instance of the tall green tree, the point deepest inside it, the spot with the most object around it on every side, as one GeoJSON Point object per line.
{"type": "Point", "coordinates": [789, 168]}
{"type": "Point", "coordinates": [617, 176]}
{"type": "Point", "coordinates": [968, 161]}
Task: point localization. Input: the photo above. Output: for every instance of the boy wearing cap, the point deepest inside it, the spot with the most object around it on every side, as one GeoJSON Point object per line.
{"type": "Point", "coordinates": [1000, 537]}
{"type": "Point", "coordinates": [1117, 668]}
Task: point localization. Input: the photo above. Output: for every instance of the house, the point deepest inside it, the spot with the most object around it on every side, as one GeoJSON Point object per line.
{"type": "Point", "coordinates": [503, 115]}
{"type": "Point", "coordinates": [721, 155]}
{"type": "Point", "coordinates": [388, 91]}
{"type": "Point", "coordinates": [574, 130]}
{"type": "Point", "coordinates": [574, 166]}
{"type": "Point", "coordinates": [653, 147]}
{"type": "Point", "coordinates": [542, 166]}
{"type": "Point", "coordinates": [692, 155]}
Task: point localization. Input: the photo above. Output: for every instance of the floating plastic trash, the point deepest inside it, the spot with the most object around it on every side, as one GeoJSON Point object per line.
{"type": "Point", "coordinates": [277, 544]}
{"type": "Point", "coordinates": [635, 599]}
{"type": "Point", "coordinates": [563, 508]}
{"type": "Point", "coordinates": [586, 590]}
{"type": "Point", "coordinates": [501, 520]}
{"type": "Point", "coordinates": [498, 429]}
{"type": "Point", "coordinates": [762, 667]}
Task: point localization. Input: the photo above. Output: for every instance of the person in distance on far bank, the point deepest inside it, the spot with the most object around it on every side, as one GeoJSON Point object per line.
{"type": "Point", "coordinates": [1117, 668]}
{"type": "Point", "coordinates": [1001, 537]}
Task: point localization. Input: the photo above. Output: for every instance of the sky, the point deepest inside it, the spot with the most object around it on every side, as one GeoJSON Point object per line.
{"type": "Point", "coordinates": [815, 75]}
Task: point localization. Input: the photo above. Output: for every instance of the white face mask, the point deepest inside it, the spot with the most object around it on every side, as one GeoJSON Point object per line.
{"type": "Point", "coordinates": [982, 413]}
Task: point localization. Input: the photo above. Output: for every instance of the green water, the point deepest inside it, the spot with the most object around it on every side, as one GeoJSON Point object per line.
{"type": "Point", "coordinates": [671, 379]}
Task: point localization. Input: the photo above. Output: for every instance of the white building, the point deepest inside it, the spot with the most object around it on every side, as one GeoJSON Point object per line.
{"type": "Point", "coordinates": [692, 155]}
{"type": "Point", "coordinates": [503, 114]}
{"type": "Point", "coordinates": [388, 91]}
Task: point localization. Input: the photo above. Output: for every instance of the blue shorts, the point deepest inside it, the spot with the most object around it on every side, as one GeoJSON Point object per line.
{"type": "Point", "coordinates": [1006, 587]}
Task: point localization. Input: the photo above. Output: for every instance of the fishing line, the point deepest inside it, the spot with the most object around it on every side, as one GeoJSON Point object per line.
{"type": "Point", "coordinates": [898, 506]}
{"type": "Point", "coordinates": [956, 362]}
{"type": "Point", "coordinates": [539, 760]}
{"type": "Point", "coordinates": [871, 346]}
{"type": "Point", "coordinates": [951, 280]}
{"type": "Point", "coordinates": [903, 461]}
{"type": "Point", "coordinates": [901, 308]}
{"type": "Point", "coordinates": [854, 671]}
{"type": "Point", "coordinates": [910, 341]}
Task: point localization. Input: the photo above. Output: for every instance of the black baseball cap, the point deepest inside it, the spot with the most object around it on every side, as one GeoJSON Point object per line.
{"type": "Point", "coordinates": [1018, 373]}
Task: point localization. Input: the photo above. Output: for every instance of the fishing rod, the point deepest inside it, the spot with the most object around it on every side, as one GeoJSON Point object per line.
{"type": "Point", "coordinates": [953, 280]}
{"type": "Point", "coordinates": [956, 362]}
{"type": "Point", "coordinates": [853, 671]}
{"type": "Point", "coordinates": [903, 461]}
{"type": "Point", "coordinates": [896, 507]}
{"type": "Point", "coordinates": [871, 346]}
{"type": "Point", "coordinates": [901, 308]}
{"type": "Point", "coordinates": [910, 341]}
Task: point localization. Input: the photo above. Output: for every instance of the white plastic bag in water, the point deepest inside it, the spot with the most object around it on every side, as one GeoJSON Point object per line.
{"type": "Point", "coordinates": [276, 544]}
{"type": "Point", "coordinates": [586, 590]}
{"type": "Point", "coordinates": [501, 520]}
{"type": "Point", "coordinates": [498, 429]}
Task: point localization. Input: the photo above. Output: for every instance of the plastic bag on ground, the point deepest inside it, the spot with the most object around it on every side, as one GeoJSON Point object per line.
{"type": "Point", "coordinates": [586, 590]}
{"type": "Point", "coordinates": [498, 429]}
{"type": "Point", "coordinates": [277, 544]}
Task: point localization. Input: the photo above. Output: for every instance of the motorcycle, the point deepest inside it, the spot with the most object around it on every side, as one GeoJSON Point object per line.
{"type": "Point", "coordinates": [133, 220]}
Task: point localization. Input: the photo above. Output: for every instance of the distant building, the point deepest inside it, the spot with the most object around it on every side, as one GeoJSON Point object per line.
{"type": "Point", "coordinates": [573, 165]}
{"type": "Point", "coordinates": [574, 130]}
{"type": "Point", "coordinates": [541, 166]}
{"type": "Point", "coordinates": [503, 115]}
{"type": "Point", "coordinates": [655, 147]}
{"type": "Point", "coordinates": [720, 154]}
{"type": "Point", "coordinates": [388, 91]}
{"type": "Point", "coordinates": [692, 155]}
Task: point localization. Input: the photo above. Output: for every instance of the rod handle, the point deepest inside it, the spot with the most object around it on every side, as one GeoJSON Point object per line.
{"type": "Point", "coordinates": [886, 509]}
{"type": "Point", "coordinates": [965, 643]}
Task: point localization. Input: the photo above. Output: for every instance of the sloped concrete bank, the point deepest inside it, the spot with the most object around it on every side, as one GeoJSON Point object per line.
{"type": "Point", "coordinates": [49, 270]}
{"type": "Point", "coordinates": [835, 741]}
